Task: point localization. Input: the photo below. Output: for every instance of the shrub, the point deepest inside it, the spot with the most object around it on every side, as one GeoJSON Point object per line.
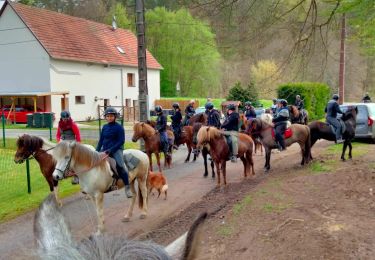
{"type": "Point", "coordinates": [238, 93]}
{"type": "Point", "coordinates": [314, 94]}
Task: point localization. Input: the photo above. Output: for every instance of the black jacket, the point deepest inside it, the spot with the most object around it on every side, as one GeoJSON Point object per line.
{"type": "Point", "coordinates": [250, 113]}
{"type": "Point", "coordinates": [161, 123]}
{"type": "Point", "coordinates": [231, 122]}
{"type": "Point", "coordinates": [299, 104]}
{"type": "Point", "coordinates": [189, 111]}
{"type": "Point", "coordinates": [176, 118]}
{"type": "Point", "coordinates": [332, 109]}
{"type": "Point", "coordinates": [213, 118]}
{"type": "Point", "coordinates": [281, 117]}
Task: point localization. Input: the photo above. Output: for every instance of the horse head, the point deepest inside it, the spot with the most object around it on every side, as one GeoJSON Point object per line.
{"type": "Point", "coordinates": [254, 126]}
{"type": "Point", "coordinates": [26, 146]}
{"type": "Point", "coordinates": [137, 131]}
{"type": "Point", "coordinates": [62, 153]}
{"type": "Point", "coordinates": [351, 113]}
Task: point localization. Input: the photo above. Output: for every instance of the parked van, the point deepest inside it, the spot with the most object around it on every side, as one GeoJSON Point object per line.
{"type": "Point", "coordinates": [365, 119]}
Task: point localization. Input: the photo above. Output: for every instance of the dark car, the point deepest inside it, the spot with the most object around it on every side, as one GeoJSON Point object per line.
{"type": "Point", "coordinates": [365, 119]}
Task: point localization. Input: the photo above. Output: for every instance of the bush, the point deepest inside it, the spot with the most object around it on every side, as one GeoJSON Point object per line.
{"type": "Point", "coordinates": [314, 94]}
{"type": "Point", "coordinates": [238, 93]}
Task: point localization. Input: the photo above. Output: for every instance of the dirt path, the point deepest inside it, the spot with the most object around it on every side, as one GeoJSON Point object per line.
{"type": "Point", "coordinates": [167, 219]}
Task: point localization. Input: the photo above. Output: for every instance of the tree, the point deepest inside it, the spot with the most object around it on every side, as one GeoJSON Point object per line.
{"type": "Point", "coordinates": [238, 93]}
{"type": "Point", "coordinates": [119, 11]}
{"type": "Point", "coordinates": [186, 49]}
{"type": "Point", "coordinates": [265, 73]}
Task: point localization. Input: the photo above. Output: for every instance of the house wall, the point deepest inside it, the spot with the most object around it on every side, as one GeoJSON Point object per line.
{"type": "Point", "coordinates": [24, 64]}
{"type": "Point", "coordinates": [94, 80]}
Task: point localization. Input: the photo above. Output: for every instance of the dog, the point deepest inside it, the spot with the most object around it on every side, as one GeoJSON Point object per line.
{"type": "Point", "coordinates": [158, 181]}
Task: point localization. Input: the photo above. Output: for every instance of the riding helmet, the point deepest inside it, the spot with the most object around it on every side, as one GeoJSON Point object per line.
{"type": "Point", "coordinates": [274, 100]}
{"type": "Point", "coordinates": [209, 105]}
{"type": "Point", "coordinates": [110, 111]}
{"type": "Point", "coordinates": [284, 102]}
{"type": "Point", "coordinates": [231, 107]}
{"type": "Point", "coordinates": [176, 105]}
{"type": "Point", "coordinates": [298, 96]}
{"type": "Point", "coordinates": [247, 103]}
{"type": "Point", "coordinates": [65, 114]}
{"type": "Point", "coordinates": [335, 97]}
{"type": "Point", "coordinates": [158, 109]}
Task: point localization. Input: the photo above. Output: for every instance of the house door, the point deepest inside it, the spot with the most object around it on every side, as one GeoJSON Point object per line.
{"type": "Point", "coordinates": [106, 103]}
{"type": "Point", "coordinates": [64, 103]}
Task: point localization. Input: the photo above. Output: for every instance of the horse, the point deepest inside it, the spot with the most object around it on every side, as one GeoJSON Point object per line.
{"type": "Point", "coordinates": [198, 118]}
{"type": "Point", "coordinates": [298, 116]}
{"type": "Point", "coordinates": [95, 175]}
{"type": "Point", "coordinates": [152, 143]}
{"type": "Point", "coordinates": [323, 130]}
{"type": "Point", "coordinates": [300, 135]}
{"type": "Point", "coordinates": [35, 147]}
{"type": "Point", "coordinates": [205, 151]}
{"type": "Point", "coordinates": [54, 240]}
{"type": "Point", "coordinates": [243, 126]}
{"type": "Point", "coordinates": [219, 150]}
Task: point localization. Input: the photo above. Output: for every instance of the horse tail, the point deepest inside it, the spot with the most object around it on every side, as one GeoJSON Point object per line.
{"type": "Point", "coordinates": [164, 188]}
{"type": "Point", "coordinates": [308, 146]}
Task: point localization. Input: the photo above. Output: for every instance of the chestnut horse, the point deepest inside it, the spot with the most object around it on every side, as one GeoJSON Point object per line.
{"type": "Point", "coordinates": [198, 118]}
{"type": "Point", "coordinates": [298, 116]}
{"type": "Point", "coordinates": [301, 135]}
{"type": "Point", "coordinates": [34, 146]}
{"type": "Point", "coordinates": [244, 126]}
{"type": "Point", "coordinates": [205, 151]}
{"type": "Point", "coordinates": [219, 150]}
{"type": "Point", "coordinates": [152, 143]}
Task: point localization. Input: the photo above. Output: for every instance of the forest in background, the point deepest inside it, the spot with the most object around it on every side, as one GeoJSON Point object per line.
{"type": "Point", "coordinates": [209, 45]}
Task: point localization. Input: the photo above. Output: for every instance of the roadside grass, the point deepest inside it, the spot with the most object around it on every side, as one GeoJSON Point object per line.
{"type": "Point", "coordinates": [15, 200]}
{"type": "Point", "coordinates": [225, 230]}
{"type": "Point", "coordinates": [276, 207]}
{"type": "Point", "coordinates": [238, 207]}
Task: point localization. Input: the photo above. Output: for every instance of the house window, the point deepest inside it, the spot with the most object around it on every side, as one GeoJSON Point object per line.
{"type": "Point", "coordinates": [80, 99]}
{"type": "Point", "coordinates": [131, 80]}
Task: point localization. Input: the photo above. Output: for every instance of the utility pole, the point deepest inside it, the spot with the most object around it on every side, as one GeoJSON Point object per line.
{"type": "Point", "coordinates": [142, 67]}
{"type": "Point", "coordinates": [342, 61]}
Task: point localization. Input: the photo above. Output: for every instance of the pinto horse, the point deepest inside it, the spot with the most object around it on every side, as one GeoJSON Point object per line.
{"type": "Point", "coordinates": [219, 150]}
{"type": "Point", "coordinates": [34, 146]}
{"type": "Point", "coordinates": [300, 135]}
{"type": "Point", "coordinates": [95, 175]}
{"type": "Point", "coordinates": [152, 143]}
{"type": "Point", "coordinates": [323, 130]}
{"type": "Point", "coordinates": [298, 116]}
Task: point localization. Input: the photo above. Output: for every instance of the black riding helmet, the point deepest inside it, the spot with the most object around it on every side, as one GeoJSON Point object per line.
{"type": "Point", "coordinates": [231, 107]}
{"type": "Point", "coordinates": [335, 97]}
{"type": "Point", "coordinates": [284, 102]}
{"type": "Point", "coordinates": [65, 114]}
{"type": "Point", "coordinates": [209, 105]}
{"type": "Point", "coordinates": [175, 105]}
{"type": "Point", "coordinates": [247, 103]}
{"type": "Point", "coordinates": [110, 111]}
{"type": "Point", "coordinates": [158, 109]}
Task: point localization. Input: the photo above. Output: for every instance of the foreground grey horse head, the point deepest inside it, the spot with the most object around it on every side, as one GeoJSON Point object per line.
{"type": "Point", "coordinates": [54, 240]}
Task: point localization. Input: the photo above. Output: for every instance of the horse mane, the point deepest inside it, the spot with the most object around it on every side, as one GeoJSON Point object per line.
{"type": "Point", "coordinates": [207, 133]}
{"type": "Point", "coordinates": [197, 126]}
{"type": "Point", "coordinates": [32, 142]}
{"type": "Point", "coordinates": [140, 127]}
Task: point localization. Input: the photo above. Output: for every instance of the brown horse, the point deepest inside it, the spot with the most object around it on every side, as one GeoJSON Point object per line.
{"type": "Point", "coordinates": [301, 135]}
{"type": "Point", "coordinates": [198, 118]}
{"type": "Point", "coordinates": [219, 150]}
{"type": "Point", "coordinates": [205, 151]}
{"type": "Point", "coordinates": [29, 145]}
{"type": "Point", "coordinates": [152, 143]}
{"type": "Point", "coordinates": [244, 126]}
{"type": "Point", "coordinates": [297, 116]}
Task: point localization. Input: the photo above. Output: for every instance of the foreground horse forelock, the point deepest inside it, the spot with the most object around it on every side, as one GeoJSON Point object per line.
{"type": "Point", "coordinates": [54, 241]}
{"type": "Point", "coordinates": [95, 175]}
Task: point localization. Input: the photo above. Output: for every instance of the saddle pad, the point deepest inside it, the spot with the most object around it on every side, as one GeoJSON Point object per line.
{"type": "Point", "coordinates": [131, 161]}
{"type": "Point", "coordinates": [288, 133]}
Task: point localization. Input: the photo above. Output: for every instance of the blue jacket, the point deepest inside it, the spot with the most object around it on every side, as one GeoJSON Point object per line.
{"type": "Point", "coordinates": [332, 109]}
{"type": "Point", "coordinates": [112, 138]}
{"type": "Point", "coordinates": [281, 117]}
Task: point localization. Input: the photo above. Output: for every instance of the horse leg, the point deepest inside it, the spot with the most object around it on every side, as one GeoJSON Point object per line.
{"type": "Point", "coordinates": [268, 158]}
{"type": "Point", "coordinates": [244, 166]}
{"type": "Point", "coordinates": [224, 170]}
{"type": "Point", "coordinates": [99, 211]}
{"type": "Point", "coordinates": [158, 161]}
{"type": "Point", "coordinates": [213, 169]}
{"type": "Point", "coordinates": [302, 152]}
{"type": "Point", "coordinates": [129, 214]}
{"type": "Point", "coordinates": [344, 150]}
{"type": "Point", "coordinates": [218, 173]}
{"type": "Point", "coordinates": [189, 152]}
{"type": "Point", "coordinates": [143, 195]}
{"type": "Point", "coordinates": [250, 162]}
{"type": "Point", "coordinates": [350, 149]}
{"type": "Point", "coordinates": [204, 154]}
{"type": "Point", "coordinates": [150, 160]}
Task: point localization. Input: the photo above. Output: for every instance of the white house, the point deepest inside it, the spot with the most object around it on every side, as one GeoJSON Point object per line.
{"type": "Point", "coordinates": [65, 62]}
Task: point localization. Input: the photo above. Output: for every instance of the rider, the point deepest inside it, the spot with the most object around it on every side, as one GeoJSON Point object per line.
{"type": "Point", "coordinates": [366, 98]}
{"type": "Point", "coordinates": [280, 122]}
{"type": "Point", "coordinates": [189, 112]}
{"type": "Point", "coordinates": [176, 123]}
{"type": "Point", "coordinates": [274, 106]}
{"type": "Point", "coordinates": [300, 105]}
{"type": "Point", "coordinates": [111, 142]}
{"type": "Point", "coordinates": [230, 127]}
{"type": "Point", "coordinates": [213, 116]}
{"type": "Point", "coordinates": [332, 109]}
{"type": "Point", "coordinates": [161, 127]}
{"type": "Point", "coordinates": [68, 130]}
{"type": "Point", "coordinates": [249, 111]}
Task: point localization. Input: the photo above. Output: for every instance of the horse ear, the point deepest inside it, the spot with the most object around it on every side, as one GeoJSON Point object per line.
{"type": "Point", "coordinates": [72, 144]}
{"type": "Point", "coordinates": [50, 229]}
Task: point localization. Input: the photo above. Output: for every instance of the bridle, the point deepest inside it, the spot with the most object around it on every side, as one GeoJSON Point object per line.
{"type": "Point", "coordinates": [33, 154]}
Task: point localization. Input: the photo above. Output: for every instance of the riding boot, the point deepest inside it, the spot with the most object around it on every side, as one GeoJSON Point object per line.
{"type": "Point", "coordinates": [124, 176]}
{"type": "Point", "coordinates": [282, 144]}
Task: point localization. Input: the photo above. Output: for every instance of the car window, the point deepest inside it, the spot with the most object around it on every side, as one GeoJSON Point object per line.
{"type": "Point", "coordinates": [362, 111]}
{"type": "Point", "coordinates": [371, 108]}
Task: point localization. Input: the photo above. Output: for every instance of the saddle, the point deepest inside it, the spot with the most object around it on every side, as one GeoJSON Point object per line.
{"type": "Point", "coordinates": [343, 126]}
{"type": "Point", "coordinates": [288, 133]}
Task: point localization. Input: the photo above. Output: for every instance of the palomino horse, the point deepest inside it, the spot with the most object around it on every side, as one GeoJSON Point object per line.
{"type": "Point", "coordinates": [54, 240]}
{"type": "Point", "coordinates": [298, 116]}
{"type": "Point", "coordinates": [95, 175]}
{"type": "Point", "coordinates": [205, 151]}
{"type": "Point", "coordinates": [323, 130]}
{"type": "Point", "coordinates": [300, 135]}
{"type": "Point", "coordinates": [152, 143]}
{"type": "Point", "coordinates": [219, 150]}
{"type": "Point", "coordinates": [29, 145]}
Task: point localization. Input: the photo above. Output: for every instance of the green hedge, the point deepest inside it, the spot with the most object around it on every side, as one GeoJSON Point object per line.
{"type": "Point", "coordinates": [314, 94]}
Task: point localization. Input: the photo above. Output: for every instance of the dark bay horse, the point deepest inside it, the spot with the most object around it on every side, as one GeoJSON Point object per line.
{"type": "Point", "coordinates": [29, 145]}
{"type": "Point", "coordinates": [297, 116]}
{"type": "Point", "coordinates": [219, 150]}
{"type": "Point", "coordinates": [152, 143]}
{"type": "Point", "coordinates": [198, 118]}
{"type": "Point", "coordinates": [301, 135]}
{"type": "Point", "coordinates": [205, 150]}
{"type": "Point", "coordinates": [321, 130]}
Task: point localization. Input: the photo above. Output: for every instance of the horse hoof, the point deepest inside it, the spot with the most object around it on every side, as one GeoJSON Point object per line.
{"type": "Point", "coordinates": [126, 219]}
{"type": "Point", "coordinates": [205, 175]}
{"type": "Point", "coordinates": [143, 216]}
